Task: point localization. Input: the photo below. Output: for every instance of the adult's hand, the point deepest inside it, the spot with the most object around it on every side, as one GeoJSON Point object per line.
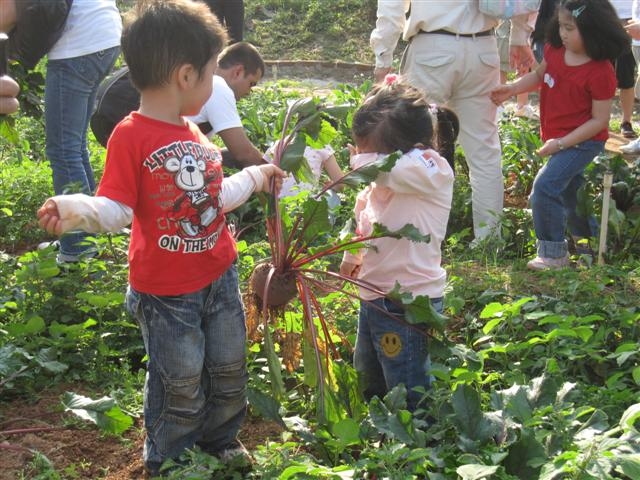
{"type": "Point", "coordinates": [380, 72]}
{"type": "Point", "coordinates": [633, 29]}
{"type": "Point", "coordinates": [8, 92]}
{"type": "Point", "coordinates": [521, 58]}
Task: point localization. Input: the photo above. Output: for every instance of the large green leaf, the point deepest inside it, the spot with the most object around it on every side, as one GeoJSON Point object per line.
{"type": "Point", "coordinates": [103, 412]}
{"type": "Point", "coordinates": [408, 231]}
{"type": "Point", "coordinates": [33, 325]}
{"type": "Point", "coordinates": [47, 358]}
{"type": "Point", "coordinates": [347, 431]}
{"type": "Point", "coordinates": [524, 456]}
{"type": "Point", "coordinates": [418, 310]}
{"type": "Point", "coordinates": [543, 391]}
{"type": "Point", "coordinates": [293, 160]}
{"type": "Point", "coordinates": [368, 173]}
{"type": "Point", "coordinates": [630, 464]}
{"type": "Point", "coordinates": [629, 419]}
{"type": "Point", "coordinates": [266, 405]}
{"type": "Point", "coordinates": [513, 401]}
{"type": "Point", "coordinates": [476, 471]}
{"type": "Point", "coordinates": [397, 424]}
{"type": "Point", "coordinates": [469, 418]}
{"type": "Point", "coordinates": [316, 218]}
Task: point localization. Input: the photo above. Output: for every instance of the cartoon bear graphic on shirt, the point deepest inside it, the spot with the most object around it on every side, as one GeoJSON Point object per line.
{"type": "Point", "coordinates": [195, 208]}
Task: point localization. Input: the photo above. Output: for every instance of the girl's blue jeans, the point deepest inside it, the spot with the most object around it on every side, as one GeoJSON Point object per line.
{"type": "Point", "coordinates": [195, 389]}
{"type": "Point", "coordinates": [389, 351]}
{"type": "Point", "coordinates": [70, 92]}
{"type": "Point", "coordinates": [554, 199]}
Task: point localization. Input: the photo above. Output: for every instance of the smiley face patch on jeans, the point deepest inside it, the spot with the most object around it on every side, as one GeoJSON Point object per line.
{"type": "Point", "coordinates": [391, 344]}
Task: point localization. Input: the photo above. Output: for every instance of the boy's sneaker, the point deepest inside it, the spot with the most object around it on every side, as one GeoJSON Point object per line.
{"type": "Point", "coordinates": [627, 130]}
{"type": "Point", "coordinates": [631, 147]}
{"type": "Point", "coordinates": [235, 453]}
{"type": "Point", "coordinates": [545, 263]}
{"type": "Point", "coordinates": [54, 244]}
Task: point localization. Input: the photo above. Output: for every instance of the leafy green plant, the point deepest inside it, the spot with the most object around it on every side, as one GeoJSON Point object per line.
{"type": "Point", "coordinates": [520, 140]}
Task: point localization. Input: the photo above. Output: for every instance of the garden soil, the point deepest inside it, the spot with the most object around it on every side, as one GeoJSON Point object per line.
{"type": "Point", "coordinates": [78, 449]}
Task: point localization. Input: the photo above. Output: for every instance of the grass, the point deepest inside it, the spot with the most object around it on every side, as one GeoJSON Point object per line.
{"type": "Point", "coordinates": [311, 29]}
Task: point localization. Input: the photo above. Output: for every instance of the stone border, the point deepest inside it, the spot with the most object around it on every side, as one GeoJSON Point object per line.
{"type": "Point", "coordinates": [318, 71]}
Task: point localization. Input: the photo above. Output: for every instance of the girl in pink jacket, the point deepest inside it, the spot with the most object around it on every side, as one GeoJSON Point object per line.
{"type": "Point", "coordinates": [418, 191]}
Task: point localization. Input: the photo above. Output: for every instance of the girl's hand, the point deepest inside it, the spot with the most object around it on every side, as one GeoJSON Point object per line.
{"type": "Point", "coordinates": [501, 93]}
{"type": "Point", "coordinates": [269, 172]}
{"type": "Point", "coordinates": [550, 147]}
{"type": "Point", "coordinates": [349, 269]}
{"type": "Point", "coordinates": [49, 218]}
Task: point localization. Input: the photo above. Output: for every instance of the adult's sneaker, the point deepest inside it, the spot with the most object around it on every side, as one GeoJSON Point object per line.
{"type": "Point", "coordinates": [546, 263]}
{"type": "Point", "coordinates": [631, 147]}
{"type": "Point", "coordinates": [526, 111]}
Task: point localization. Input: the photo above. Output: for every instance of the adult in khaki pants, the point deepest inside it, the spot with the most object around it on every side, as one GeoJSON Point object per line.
{"type": "Point", "coordinates": [453, 56]}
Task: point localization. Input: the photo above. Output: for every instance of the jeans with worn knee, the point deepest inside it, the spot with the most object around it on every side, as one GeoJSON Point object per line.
{"type": "Point", "coordinates": [195, 389]}
{"type": "Point", "coordinates": [554, 199]}
{"type": "Point", "coordinates": [70, 92]}
{"type": "Point", "coordinates": [390, 351]}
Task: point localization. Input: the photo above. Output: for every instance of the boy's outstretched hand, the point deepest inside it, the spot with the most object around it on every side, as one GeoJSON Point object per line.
{"type": "Point", "coordinates": [49, 218]}
{"type": "Point", "coordinates": [270, 171]}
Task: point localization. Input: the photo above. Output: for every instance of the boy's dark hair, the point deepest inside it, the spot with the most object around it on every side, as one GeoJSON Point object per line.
{"type": "Point", "coordinates": [161, 35]}
{"type": "Point", "coordinates": [397, 117]}
{"type": "Point", "coordinates": [242, 53]}
{"type": "Point", "coordinates": [602, 32]}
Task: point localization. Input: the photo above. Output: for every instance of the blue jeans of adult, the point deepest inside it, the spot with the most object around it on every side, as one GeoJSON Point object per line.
{"type": "Point", "coordinates": [70, 93]}
{"type": "Point", "coordinates": [195, 388]}
{"type": "Point", "coordinates": [390, 351]}
{"type": "Point", "coordinates": [554, 199]}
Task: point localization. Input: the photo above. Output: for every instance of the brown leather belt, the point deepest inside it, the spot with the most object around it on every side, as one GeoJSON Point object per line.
{"type": "Point", "coordinates": [441, 31]}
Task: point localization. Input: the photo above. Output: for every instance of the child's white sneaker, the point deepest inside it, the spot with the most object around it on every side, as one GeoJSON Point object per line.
{"type": "Point", "coordinates": [631, 147]}
{"type": "Point", "coordinates": [545, 263]}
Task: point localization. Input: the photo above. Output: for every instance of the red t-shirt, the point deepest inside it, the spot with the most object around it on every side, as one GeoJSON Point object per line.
{"type": "Point", "coordinates": [567, 93]}
{"type": "Point", "coordinates": [171, 176]}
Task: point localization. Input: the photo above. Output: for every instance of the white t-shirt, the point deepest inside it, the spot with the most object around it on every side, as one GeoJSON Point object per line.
{"type": "Point", "coordinates": [316, 158]}
{"type": "Point", "coordinates": [623, 8]}
{"type": "Point", "coordinates": [92, 25]}
{"type": "Point", "coordinates": [220, 110]}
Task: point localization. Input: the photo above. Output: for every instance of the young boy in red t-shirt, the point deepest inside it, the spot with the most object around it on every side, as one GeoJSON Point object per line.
{"type": "Point", "coordinates": [163, 174]}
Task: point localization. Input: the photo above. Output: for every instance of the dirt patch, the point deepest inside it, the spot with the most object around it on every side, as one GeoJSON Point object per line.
{"type": "Point", "coordinates": [79, 449]}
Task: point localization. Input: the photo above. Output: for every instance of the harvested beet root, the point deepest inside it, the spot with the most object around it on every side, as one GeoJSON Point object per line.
{"type": "Point", "coordinates": [282, 287]}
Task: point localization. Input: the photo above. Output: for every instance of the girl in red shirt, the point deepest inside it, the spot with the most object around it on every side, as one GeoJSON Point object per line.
{"type": "Point", "coordinates": [577, 85]}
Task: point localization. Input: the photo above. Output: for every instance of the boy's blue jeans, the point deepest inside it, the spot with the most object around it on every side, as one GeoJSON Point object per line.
{"type": "Point", "coordinates": [389, 351]}
{"type": "Point", "coordinates": [554, 199]}
{"type": "Point", "coordinates": [195, 389]}
{"type": "Point", "coordinates": [70, 91]}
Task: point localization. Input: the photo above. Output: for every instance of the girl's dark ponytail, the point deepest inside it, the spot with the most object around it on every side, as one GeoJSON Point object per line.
{"type": "Point", "coordinates": [447, 130]}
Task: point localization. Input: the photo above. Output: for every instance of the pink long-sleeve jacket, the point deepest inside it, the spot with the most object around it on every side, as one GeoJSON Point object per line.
{"type": "Point", "coordinates": [418, 191]}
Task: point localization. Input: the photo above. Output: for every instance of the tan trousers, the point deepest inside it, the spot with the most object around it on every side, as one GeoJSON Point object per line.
{"type": "Point", "coordinates": [459, 73]}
